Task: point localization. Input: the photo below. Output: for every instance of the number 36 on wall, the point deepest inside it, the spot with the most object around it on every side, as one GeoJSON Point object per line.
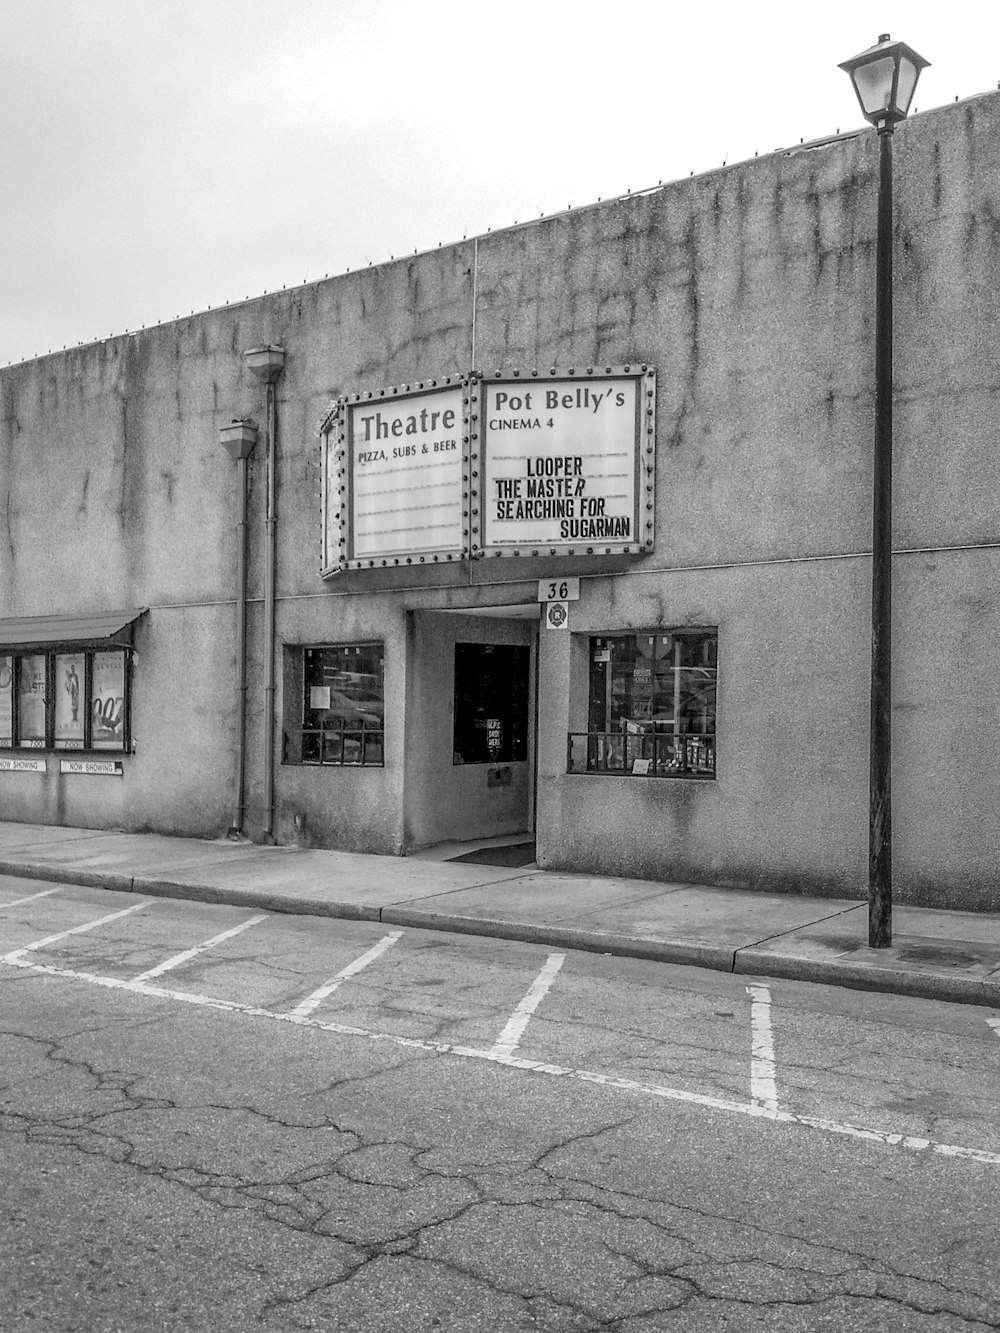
{"type": "Point", "coordinates": [559, 590]}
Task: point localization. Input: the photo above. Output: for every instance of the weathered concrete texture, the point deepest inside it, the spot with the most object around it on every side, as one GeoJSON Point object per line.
{"type": "Point", "coordinates": [751, 291]}
{"type": "Point", "coordinates": [789, 807]}
{"type": "Point", "coordinates": [947, 305]}
{"type": "Point", "coordinates": [357, 808]}
{"type": "Point", "coordinates": [742, 289]}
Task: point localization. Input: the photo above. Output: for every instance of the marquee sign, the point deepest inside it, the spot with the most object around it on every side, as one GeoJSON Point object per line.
{"type": "Point", "coordinates": [525, 464]}
{"type": "Point", "coordinates": [395, 477]}
{"type": "Point", "coordinates": [568, 463]}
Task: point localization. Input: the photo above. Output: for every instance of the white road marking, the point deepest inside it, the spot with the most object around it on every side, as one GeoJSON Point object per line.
{"type": "Point", "coordinates": [750, 1109]}
{"type": "Point", "coordinates": [18, 902]}
{"type": "Point", "coordinates": [170, 963]}
{"type": "Point", "coordinates": [507, 1042]}
{"type": "Point", "coordinates": [995, 1025]}
{"type": "Point", "coordinates": [75, 930]}
{"type": "Point", "coordinates": [763, 1088]}
{"type": "Point", "coordinates": [328, 987]}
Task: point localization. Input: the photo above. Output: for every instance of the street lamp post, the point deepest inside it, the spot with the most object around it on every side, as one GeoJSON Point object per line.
{"type": "Point", "coordinates": [884, 78]}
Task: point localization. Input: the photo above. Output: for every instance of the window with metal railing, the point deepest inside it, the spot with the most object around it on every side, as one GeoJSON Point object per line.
{"type": "Point", "coordinates": [652, 707]}
{"type": "Point", "coordinates": [343, 705]}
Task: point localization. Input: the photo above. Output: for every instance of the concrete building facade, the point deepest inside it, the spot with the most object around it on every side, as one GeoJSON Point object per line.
{"type": "Point", "coordinates": [750, 292]}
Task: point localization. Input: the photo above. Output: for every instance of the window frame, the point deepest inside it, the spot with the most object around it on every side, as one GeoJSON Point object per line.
{"type": "Point", "coordinates": [49, 742]}
{"type": "Point", "coordinates": [364, 734]}
{"type": "Point", "coordinates": [519, 727]}
{"type": "Point", "coordinates": [653, 749]}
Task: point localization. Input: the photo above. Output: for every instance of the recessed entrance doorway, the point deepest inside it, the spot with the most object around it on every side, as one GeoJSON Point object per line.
{"type": "Point", "coordinates": [471, 730]}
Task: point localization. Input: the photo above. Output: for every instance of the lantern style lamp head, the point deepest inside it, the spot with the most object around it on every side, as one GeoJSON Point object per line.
{"type": "Point", "coordinates": [885, 78]}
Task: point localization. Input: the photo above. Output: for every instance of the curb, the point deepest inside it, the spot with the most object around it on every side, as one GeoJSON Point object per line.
{"type": "Point", "coordinates": [751, 960]}
{"type": "Point", "coordinates": [711, 956]}
{"type": "Point", "coordinates": [89, 879]}
{"type": "Point", "coordinates": [269, 902]}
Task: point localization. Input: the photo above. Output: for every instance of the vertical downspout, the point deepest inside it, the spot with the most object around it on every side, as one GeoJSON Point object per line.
{"type": "Point", "coordinates": [267, 364]}
{"type": "Point", "coordinates": [270, 554]}
{"type": "Point", "coordinates": [238, 440]}
{"type": "Point", "coordinates": [475, 284]}
{"type": "Point", "coordinates": [241, 650]}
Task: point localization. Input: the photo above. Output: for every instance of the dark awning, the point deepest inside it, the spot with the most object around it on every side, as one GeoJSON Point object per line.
{"type": "Point", "coordinates": [89, 627]}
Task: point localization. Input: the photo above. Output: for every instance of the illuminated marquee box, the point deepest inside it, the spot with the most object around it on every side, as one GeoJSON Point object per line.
{"type": "Point", "coordinates": [522, 464]}
{"type": "Point", "coordinates": [395, 479]}
{"type": "Point", "coordinates": [568, 461]}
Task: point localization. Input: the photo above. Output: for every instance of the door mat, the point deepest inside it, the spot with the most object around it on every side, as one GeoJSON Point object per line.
{"type": "Point", "coordinates": [516, 855]}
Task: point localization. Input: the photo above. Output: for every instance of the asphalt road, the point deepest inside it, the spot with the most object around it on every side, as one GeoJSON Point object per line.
{"type": "Point", "coordinates": [323, 1124]}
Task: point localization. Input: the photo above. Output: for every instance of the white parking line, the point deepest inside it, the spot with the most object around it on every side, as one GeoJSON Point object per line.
{"type": "Point", "coordinates": [74, 930]}
{"type": "Point", "coordinates": [18, 902]}
{"type": "Point", "coordinates": [179, 958]}
{"type": "Point", "coordinates": [328, 987]}
{"type": "Point", "coordinates": [763, 1088]}
{"type": "Point", "coordinates": [507, 1042]}
{"type": "Point", "coordinates": [753, 1110]}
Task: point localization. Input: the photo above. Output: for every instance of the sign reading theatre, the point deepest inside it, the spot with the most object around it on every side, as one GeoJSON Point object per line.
{"type": "Point", "coordinates": [522, 464]}
{"type": "Point", "coordinates": [568, 463]}
{"type": "Point", "coordinates": [394, 464]}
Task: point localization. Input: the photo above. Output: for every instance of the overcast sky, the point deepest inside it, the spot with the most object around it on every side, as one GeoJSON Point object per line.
{"type": "Point", "coordinates": [161, 156]}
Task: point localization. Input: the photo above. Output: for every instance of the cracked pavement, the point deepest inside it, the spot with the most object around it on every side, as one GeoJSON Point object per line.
{"type": "Point", "coordinates": [174, 1167]}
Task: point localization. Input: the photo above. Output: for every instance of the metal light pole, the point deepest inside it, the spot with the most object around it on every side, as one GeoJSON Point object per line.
{"type": "Point", "coordinates": [884, 78]}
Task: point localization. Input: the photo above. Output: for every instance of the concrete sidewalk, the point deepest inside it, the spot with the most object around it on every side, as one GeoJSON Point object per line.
{"type": "Point", "coordinates": [935, 954]}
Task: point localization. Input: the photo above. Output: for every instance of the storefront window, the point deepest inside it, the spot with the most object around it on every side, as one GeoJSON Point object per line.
{"type": "Point", "coordinates": [343, 706]}
{"type": "Point", "coordinates": [69, 690]}
{"type": "Point", "coordinates": [6, 702]}
{"type": "Point", "coordinates": [652, 705]}
{"type": "Point", "coordinates": [31, 701]}
{"type": "Point", "coordinates": [73, 699]}
{"type": "Point", "coordinates": [491, 703]}
{"type": "Point", "coordinates": [108, 701]}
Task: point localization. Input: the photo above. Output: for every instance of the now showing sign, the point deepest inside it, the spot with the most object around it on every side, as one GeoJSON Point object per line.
{"type": "Point", "coordinates": [96, 768]}
{"type": "Point", "coordinates": [11, 765]}
{"type": "Point", "coordinates": [568, 463]}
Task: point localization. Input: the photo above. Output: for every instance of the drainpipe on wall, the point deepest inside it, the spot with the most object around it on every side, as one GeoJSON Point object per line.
{"type": "Point", "coordinates": [238, 440]}
{"type": "Point", "coordinates": [267, 364]}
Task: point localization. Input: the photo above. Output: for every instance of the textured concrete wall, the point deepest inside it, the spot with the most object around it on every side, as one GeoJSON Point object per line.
{"type": "Point", "coordinates": [115, 492]}
{"type": "Point", "coordinates": [789, 807]}
{"type": "Point", "coordinates": [360, 808]}
{"type": "Point", "coordinates": [751, 291]}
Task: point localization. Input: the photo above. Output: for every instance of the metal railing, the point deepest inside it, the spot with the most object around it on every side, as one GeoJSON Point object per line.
{"type": "Point", "coordinates": [642, 754]}
{"type": "Point", "coordinates": [342, 747]}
